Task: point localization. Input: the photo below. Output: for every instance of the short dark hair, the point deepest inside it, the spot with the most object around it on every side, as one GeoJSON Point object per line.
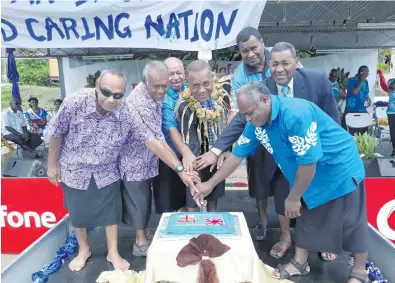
{"type": "Point", "coordinates": [32, 99]}
{"type": "Point", "coordinates": [58, 101]}
{"type": "Point", "coordinates": [245, 34]}
{"type": "Point", "coordinates": [362, 67]}
{"type": "Point", "coordinates": [332, 71]}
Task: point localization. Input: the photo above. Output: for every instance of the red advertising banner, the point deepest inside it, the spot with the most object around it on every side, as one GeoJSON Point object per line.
{"type": "Point", "coordinates": [29, 207]}
{"type": "Point", "coordinates": [380, 199]}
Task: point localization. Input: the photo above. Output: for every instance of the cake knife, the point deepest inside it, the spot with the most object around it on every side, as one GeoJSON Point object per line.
{"type": "Point", "coordinates": [203, 208]}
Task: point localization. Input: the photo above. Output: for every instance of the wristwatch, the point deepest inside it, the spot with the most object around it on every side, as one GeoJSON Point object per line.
{"type": "Point", "coordinates": [179, 169]}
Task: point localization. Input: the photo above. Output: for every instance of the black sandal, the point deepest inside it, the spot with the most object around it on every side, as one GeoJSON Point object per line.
{"type": "Point", "coordinates": [363, 279]}
{"type": "Point", "coordinates": [303, 269]}
{"type": "Point", "coordinates": [259, 232]}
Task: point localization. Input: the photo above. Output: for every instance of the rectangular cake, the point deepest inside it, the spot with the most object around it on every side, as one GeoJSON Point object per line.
{"type": "Point", "coordinates": [196, 223]}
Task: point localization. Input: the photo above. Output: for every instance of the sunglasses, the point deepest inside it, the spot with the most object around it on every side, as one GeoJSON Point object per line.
{"type": "Point", "coordinates": [107, 93]}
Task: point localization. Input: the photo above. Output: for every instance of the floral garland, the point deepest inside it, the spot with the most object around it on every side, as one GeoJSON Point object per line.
{"type": "Point", "coordinates": [219, 105]}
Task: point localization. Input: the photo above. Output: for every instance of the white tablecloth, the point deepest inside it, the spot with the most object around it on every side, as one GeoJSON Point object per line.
{"type": "Point", "coordinates": [240, 264]}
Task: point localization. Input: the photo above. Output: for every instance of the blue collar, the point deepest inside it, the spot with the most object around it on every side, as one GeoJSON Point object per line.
{"type": "Point", "coordinates": [174, 94]}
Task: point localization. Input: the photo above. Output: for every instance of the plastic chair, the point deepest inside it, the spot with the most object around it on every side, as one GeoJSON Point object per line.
{"type": "Point", "coordinates": [11, 147]}
{"type": "Point", "coordinates": [358, 120]}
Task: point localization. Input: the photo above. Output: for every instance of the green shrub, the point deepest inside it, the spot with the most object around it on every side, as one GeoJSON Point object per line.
{"type": "Point", "coordinates": [33, 72]}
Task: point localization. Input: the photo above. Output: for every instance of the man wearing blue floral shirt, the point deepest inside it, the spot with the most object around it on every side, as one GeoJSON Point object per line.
{"type": "Point", "coordinates": [170, 191]}
{"type": "Point", "coordinates": [357, 95]}
{"type": "Point", "coordinates": [321, 162]}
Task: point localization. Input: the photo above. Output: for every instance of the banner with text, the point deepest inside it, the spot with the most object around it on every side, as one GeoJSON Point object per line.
{"type": "Point", "coordinates": [176, 25]}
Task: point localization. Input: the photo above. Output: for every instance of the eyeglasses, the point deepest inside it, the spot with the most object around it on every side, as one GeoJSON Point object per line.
{"type": "Point", "coordinates": [107, 93]}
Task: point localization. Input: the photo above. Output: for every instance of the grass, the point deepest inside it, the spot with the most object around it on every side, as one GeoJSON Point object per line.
{"type": "Point", "coordinates": [45, 95]}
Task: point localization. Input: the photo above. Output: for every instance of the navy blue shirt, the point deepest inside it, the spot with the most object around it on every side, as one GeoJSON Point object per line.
{"type": "Point", "coordinates": [301, 133]}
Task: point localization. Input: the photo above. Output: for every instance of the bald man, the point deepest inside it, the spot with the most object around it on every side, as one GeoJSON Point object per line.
{"type": "Point", "coordinates": [169, 191]}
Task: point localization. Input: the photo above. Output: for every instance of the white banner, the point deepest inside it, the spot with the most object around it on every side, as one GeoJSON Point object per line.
{"type": "Point", "coordinates": [176, 25]}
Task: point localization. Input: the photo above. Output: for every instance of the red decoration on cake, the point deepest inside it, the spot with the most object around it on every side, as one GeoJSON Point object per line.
{"type": "Point", "coordinates": [215, 221]}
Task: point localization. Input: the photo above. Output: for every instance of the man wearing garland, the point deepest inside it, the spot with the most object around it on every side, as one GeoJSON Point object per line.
{"type": "Point", "coordinates": [261, 183]}
{"type": "Point", "coordinates": [202, 114]}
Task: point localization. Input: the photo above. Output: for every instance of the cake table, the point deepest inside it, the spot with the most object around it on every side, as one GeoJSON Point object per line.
{"type": "Point", "coordinates": [240, 264]}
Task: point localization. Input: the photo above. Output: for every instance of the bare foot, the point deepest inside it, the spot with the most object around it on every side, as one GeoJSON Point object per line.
{"type": "Point", "coordinates": [80, 260]}
{"type": "Point", "coordinates": [118, 262]}
{"type": "Point", "coordinates": [280, 248]}
{"type": "Point", "coordinates": [328, 256]}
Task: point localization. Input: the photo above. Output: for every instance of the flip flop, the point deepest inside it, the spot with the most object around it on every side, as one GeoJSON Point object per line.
{"type": "Point", "coordinates": [260, 233]}
{"type": "Point", "coordinates": [326, 258]}
{"type": "Point", "coordinates": [303, 269]}
{"type": "Point", "coordinates": [276, 255]}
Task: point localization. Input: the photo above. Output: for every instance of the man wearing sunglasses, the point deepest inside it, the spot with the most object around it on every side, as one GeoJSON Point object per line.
{"type": "Point", "coordinates": [86, 137]}
{"type": "Point", "coordinates": [139, 162]}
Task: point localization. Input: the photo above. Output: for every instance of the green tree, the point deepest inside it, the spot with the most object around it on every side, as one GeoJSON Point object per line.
{"type": "Point", "coordinates": [33, 72]}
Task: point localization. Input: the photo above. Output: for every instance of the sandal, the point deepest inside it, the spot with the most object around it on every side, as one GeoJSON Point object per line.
{"type": "Point", "coordinates": [363, 279]}
{"type": "Point", "coordinates": [141, 250]}
{"type": "Point", "coordinates": [303, 269]}
{"type": "Point", "coordinates": [327, 257]}
{"type": "Point", "coordinates": [274, 250]}
{"type": "Point", "coordinates": [260, 233]}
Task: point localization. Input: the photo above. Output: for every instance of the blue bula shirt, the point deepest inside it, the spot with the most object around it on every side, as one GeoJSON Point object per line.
{"type": "Point", "coordinates": [169, 119]}
{"type": "Point", "coordinates": [301, 133]}
{"type": "Point", "coordinates": [391, 99]}
{"type": "Point", "coordinates": [356, 103]}
{"type": "Point", "coordinates": [245, 74]}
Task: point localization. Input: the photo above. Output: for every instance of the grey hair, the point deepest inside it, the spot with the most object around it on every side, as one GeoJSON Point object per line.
{"type": "Point", "coordinates": [198, 66]}
{"type": "Point", "coordinates": [253, 92]}
{"type": "Point", "coordinates": [157, 65]}
{"type": "Point", "coordinates": [112, 72]}
{"type": "Point", "coordinates": [284, 46]}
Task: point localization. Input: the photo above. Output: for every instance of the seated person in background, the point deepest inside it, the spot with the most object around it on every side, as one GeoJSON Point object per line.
{"type": "Point", "coordinates": [52, 113]}
{"type": "Point", "coordinates": [202, 114]}
{"type": "Point", "coordinates": [36, 117]}
{"type": "Point", "coordinates": [14, 128]}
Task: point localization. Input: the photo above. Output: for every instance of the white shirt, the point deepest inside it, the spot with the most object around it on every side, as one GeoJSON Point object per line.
{"type": "Point", "coordinates": [291, 88]}
{"type": "Point", "coordinates": [15, 120]}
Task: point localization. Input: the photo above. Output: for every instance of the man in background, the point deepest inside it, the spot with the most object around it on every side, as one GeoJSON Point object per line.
{"type": "Point", "coordinates": [14, 128]}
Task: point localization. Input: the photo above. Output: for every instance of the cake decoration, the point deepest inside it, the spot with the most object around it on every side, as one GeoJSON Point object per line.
{"type": "Point", "coordinates": [196, 223]}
